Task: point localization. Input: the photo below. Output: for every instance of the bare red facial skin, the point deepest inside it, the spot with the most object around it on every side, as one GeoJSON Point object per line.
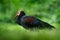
{"type": "Point", "coordinates": [19, 12]}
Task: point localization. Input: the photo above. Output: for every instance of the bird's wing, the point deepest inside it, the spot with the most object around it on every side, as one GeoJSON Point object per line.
{"type": "Point", "coordinates": [29, 19]}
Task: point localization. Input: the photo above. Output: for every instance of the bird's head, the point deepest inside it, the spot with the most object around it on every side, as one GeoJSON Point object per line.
{"type": "Point", "coordinates": [20, 13]}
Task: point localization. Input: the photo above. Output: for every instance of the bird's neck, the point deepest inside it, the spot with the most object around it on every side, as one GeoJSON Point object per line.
{"type": "Point", "coordinates": [20, 17]}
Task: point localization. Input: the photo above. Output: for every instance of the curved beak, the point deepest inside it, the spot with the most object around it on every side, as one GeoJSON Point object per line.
{"type": "Point", "coordinates": [18, 13]}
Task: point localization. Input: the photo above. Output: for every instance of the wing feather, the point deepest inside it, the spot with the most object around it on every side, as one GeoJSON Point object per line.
{"type": "Point", "coordinates": [29, 19]}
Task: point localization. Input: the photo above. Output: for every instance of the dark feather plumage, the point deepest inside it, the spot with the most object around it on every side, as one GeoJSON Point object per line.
{"type": "Point", "coordinates": [30, 22]}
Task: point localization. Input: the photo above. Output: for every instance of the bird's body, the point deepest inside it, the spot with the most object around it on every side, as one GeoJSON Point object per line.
{"type": "Point", "coordinates": [30, 22]}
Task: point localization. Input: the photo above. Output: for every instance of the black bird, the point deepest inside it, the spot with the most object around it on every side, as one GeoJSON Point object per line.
{"type": "Point", "coordinates": [30, 22]}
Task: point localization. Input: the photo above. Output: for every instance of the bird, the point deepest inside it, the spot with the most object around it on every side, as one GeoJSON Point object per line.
{"type": "Point", "coordinates": [31, 22]}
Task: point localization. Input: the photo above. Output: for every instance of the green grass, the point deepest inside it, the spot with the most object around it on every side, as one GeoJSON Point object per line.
{"type": "Point", "coordinates": [46, 10]}
{"type": "Point", "coordinates": [9, 31]}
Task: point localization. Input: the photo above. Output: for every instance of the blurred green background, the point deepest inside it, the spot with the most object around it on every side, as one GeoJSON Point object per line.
{"type": "Point", "coordinates": [46, 10]}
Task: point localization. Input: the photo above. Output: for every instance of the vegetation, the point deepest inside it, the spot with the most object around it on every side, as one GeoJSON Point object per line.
{"type": "Point", "coordinates": [46, 10]}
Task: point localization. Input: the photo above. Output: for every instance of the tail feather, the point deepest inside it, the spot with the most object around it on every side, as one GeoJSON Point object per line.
{"type": "Point", "coordinates": [46, 25]}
